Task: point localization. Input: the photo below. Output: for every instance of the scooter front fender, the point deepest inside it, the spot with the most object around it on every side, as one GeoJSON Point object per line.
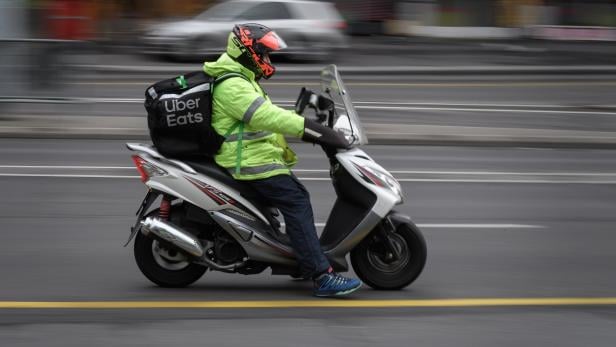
{"type": "Point", "coordinates": [397, 218]}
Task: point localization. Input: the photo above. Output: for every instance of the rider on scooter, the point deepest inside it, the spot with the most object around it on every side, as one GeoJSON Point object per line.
{"type": "Point", "coordinates": [256, 152]}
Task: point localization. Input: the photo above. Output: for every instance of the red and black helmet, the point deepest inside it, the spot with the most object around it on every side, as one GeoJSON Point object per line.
{"type": "Point", "coordinates": [258, 41]}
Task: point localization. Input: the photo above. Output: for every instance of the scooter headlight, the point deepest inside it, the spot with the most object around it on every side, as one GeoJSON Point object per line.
{"type": "Point", "coordinates": [383, 179]}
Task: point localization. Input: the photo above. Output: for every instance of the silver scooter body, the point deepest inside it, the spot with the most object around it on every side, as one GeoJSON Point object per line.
{"type": "Point", "coordinates": [248, 225]}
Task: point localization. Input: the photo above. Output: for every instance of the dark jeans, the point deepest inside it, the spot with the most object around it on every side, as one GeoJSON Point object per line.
{"type": "Point", "coordinates": [288, 194]}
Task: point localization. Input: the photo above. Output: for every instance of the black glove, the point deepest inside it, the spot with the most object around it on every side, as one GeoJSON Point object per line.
{"type": "Point", "coordinates": [314, 132]}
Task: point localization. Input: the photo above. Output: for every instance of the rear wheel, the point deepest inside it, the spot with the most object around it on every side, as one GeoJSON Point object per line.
{"type": "Point", "coordinates": [373, 264]}
{"type": "Point", "coordinates": [164, 265]}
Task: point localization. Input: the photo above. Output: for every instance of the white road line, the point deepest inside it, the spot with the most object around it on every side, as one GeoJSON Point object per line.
{"type": "Point", "coordinates": [480, 173]}
{"type": "Point", "coordinates": [419, 172]}
{"type": "Point", "coordinates": [74, 129]}
{"type": "Point", "coordinates": [481, 226]}
{"type": "Point", "coordinates": [465, 226]}
{"type": "Point", "coordinates": [64, 175]}
{"type": "Point", "coordinates": [72, 100]}
{"type": "Point", "coordinates": [77, 167]}
{"type": "Point", "coordinates": [392, 84]}
{"type": "Point", "coordinates": [429, 180]}
{"type": "Point", "coordinates": [528, 105]}
{"type": "Point", "coordinates": [287, 102]}
{"type": "Point", "coordinates": [369, 105]}
{"type": "Point", "coordinates": [544, 177]}
{"type": "Point", "coordinates": [407, 108]}
{"type": "Point", "coordinates": [419, 180]}
{"type": "Point", "coordinates": [413, 172]}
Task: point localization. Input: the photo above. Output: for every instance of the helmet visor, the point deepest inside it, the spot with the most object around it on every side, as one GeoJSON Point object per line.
{"type": "Point", "coordinates": [272, 42]}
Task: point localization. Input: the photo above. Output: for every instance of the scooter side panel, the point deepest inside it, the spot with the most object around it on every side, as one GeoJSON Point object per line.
{"type": "Point", "coordinates": [200, 190]}
{"type": "Point", "coordinates": [354, 158]}
{"type": "Point", "coordinates": [337, 255]}
{"type": "Point", "coordinates": [258, 245]}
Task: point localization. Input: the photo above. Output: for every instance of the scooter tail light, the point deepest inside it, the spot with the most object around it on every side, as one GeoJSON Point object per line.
{"type": "Point", "coordinates": [139, 165]}
{"type": "Point", "coordinates": [146, 169]}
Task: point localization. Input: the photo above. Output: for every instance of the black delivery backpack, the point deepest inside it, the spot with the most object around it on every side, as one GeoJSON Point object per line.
{"type": "Point", "coordinates": [180, 115]}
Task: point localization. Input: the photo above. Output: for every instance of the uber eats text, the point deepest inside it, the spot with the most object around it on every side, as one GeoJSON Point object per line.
{"type": "Point", "coordinates": [176, 106]}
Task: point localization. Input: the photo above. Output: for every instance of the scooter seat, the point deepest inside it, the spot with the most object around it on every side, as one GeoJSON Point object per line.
{"type": "Point", "coordinates": [209, 168]}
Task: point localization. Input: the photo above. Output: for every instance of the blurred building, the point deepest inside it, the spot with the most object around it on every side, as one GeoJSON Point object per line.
{"type": "Point", "coordinates": [502, 18]}
{"type": "Point", "coordinates": [109, 19]}
{"type": "Point", "coordinates": [102, 19]}
{"type": "Point", "coordinates": [510, 13]}
{"type": "Point", "coordinates": [13, 25]}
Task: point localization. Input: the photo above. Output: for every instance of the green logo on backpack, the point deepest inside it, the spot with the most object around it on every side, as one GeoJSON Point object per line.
{"type": "Point", "coordinates": [182, 82]}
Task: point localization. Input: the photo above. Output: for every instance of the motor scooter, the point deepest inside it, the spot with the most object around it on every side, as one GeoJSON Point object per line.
{"type": "Point", "coordinates": [204, 219]}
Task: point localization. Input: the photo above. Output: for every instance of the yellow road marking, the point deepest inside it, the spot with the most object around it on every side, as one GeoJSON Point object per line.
{"type": "Point", "coordinates": [409, 85]}
{"type": "Point", "coordinates": [349, 303]}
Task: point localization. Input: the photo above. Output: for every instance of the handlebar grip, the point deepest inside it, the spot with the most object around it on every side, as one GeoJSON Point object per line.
{"type": "Point", "coordinates": [314, 132]}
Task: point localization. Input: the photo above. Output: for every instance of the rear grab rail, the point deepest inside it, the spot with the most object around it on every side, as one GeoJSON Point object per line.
{"type": "Point", "coordinates": [151, 151]}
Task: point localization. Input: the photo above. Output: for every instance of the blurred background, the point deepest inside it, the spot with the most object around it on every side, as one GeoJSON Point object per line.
{"type": "Point", "coordinates": [46, 38]}
{"type": "Point", "coordinates": [51, 46]}
{"type": "Point", "coordinates": [498, 117]}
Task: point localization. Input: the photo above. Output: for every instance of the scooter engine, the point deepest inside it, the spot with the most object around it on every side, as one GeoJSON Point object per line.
{"type": "Point", "coordinates": [227, 250]}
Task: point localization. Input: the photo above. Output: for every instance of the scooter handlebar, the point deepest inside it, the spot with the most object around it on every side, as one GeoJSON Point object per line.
{"type": "Point", "coordinates": [322, 105]}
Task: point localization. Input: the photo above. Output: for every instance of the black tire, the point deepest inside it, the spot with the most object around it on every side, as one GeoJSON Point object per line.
{"type": "Point", "coordinates": [178, 278]}
{"type": "Point", "coordinates": [373, 270]}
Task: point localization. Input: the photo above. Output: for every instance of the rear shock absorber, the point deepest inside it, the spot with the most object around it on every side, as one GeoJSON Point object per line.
{"type": "Point", "coordinates": [165, 208]}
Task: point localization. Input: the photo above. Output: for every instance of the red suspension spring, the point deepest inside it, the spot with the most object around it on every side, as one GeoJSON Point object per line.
{"type": "Point", "coordinates": [165, 208]}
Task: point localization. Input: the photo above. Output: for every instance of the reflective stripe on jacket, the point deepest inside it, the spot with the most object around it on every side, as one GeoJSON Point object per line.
{"type": "Point", "coordinates": [243, 112]}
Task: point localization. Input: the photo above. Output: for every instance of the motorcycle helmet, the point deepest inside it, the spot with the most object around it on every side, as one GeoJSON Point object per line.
{"type": "Point", "coordinates": [251, 43]}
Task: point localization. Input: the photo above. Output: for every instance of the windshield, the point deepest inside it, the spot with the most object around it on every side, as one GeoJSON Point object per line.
{"type": "Point", "coordinates": [224, 11]}
{"type": "Point", "coordinates": [332, 85]}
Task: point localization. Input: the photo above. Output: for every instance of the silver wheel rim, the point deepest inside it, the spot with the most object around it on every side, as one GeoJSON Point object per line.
{"type": "Point", "coordinates": [377, 262]}
{"type": "Point", "coordinates": [168, 259]}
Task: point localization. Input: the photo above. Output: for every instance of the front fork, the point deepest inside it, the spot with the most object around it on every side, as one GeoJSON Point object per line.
{"type": "Point", "coordinates": [385, 229]}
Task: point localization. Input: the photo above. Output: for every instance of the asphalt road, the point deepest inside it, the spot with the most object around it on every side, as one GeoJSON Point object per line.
{"type": "Point", "coordinates": [499, 223]}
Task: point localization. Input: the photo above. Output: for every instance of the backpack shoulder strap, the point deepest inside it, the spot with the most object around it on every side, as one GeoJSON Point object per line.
{"type": "Point", "coordinates": [229, 75]}
{"type": "Point", "coordinates": [238, 124]}
{"type": "Point", "coordinates": [222, 78]}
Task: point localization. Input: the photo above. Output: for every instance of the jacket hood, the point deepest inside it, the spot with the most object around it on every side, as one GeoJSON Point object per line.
{"type": "Point", "coordinates": [226, 64]}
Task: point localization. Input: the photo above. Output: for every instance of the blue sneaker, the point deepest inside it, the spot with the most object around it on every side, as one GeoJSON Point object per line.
{"type": "Point", "coordinates": [333, 284]}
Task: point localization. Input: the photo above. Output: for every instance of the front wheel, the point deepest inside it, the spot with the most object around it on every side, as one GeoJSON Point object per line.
{"type": "Point", "coordinates": [373, 264]}
{"type": "Point", "coordinates": [163, 265]}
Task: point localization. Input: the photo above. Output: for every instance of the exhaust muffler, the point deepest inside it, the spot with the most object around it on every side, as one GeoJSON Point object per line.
{"type": "Point", "coordinates": [173, 235]}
